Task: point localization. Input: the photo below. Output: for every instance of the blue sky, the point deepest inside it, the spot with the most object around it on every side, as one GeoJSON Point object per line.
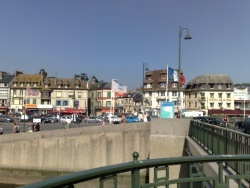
{"type": "Point", "coordinates": [111, 39]}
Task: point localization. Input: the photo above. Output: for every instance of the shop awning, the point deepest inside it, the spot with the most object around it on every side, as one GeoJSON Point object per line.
{"type": "Point", "coordinates": [73, 111]}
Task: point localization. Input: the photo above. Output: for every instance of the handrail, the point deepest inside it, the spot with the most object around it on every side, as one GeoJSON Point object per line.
{"type": "Point", "coordinates": [136, 165]}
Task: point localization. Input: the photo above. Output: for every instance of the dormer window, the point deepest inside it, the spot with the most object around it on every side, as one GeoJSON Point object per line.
{"type": "Point", "coordinates": [21, 84]}
{"type": "Point", "coordinates": [219, 86]}
{"type": "Point", "coordinates": [35, 84]}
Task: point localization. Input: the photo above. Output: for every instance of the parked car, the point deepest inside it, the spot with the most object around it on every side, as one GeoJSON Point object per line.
{"type": "Point", "coordinates": [25, 117]}
{"type": "Point", "coordinates": [246, 125]}
{"type": "Point", "coordinates": [53, 119]}
{"type": "Point", "coordinates": [63, 119]}
{"type": "Point", "coordinates": [115, 119]}
{"type": "Point", "coordinates": [5, 118]}
{"type": "Point", "coordinates": [132, 119]}
{"type": "Point", "coordinates": [92, 119]}
{"type": "Point", "coordinates": [239, 123]}
{"type": "Point", "coordinates": [100, 118]}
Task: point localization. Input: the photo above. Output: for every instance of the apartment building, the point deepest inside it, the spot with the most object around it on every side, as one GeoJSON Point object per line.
{"type": "Point", "coordinates": [39, 93]}
{"type": "Point", "coordinates": [208, 92]}
{"type": "Point", "coordinates": [5, 79]}
{"type": "Point", "coordinates": [156, 90]}
{"type": "Point", "coordinates": [101, 100]}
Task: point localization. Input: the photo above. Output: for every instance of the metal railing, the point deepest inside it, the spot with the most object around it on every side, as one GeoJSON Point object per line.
{"type": "Point", "coordinates": [218, 140]}
{"type": "Point", "coordinates": [195, 177]}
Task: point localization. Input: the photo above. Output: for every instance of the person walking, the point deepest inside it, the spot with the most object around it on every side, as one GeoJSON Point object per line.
{"type": "Point", "coordinates": [67, 123]}
{"type": "Point", "coordinates": [145, 119]}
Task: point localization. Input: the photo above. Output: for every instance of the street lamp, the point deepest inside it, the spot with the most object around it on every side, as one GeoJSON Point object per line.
{"type": "Point", "coordinates": [145, 68]}
{"type": "Point", "coordinates": [187, 37]}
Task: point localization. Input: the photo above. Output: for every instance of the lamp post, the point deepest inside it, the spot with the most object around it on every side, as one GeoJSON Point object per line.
{"type": "Point", "coordinates": [187, 37]}
{"type": "Point", "coordinates": [145, 68]}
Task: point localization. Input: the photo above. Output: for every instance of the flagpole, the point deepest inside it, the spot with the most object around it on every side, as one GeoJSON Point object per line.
{"type": "Point", "coordinates": [167, 85]}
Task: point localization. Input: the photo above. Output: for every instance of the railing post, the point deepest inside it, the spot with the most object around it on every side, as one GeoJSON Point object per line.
{"type": "Point", "coordinates": [135, 174]}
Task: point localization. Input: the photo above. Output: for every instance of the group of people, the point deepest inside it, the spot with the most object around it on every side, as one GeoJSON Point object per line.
{"type": "Point", "coordinates": [33, 127]}
{"type": "Point", "coordinates": [143, 117]}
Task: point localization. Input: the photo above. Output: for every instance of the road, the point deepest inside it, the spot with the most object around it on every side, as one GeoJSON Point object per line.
{"type": "Point", "coordinates": [8, 127]}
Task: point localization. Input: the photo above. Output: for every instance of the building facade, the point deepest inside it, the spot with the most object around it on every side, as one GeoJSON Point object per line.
{"type": "Point", "coordinates": [42, 94]}
{"type": "Point", "coordinates": [157, 89]}
{"type": "Point", "coordinates": [207, 92]}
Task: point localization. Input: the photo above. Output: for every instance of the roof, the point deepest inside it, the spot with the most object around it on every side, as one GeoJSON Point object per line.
{"type": "Point", "coordinates": [7, 78]}
{"type": "Point", "coordinates": [210, 78]}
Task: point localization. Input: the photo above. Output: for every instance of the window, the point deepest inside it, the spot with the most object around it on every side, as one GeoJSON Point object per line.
{"type": "Point", "coordinates": [99, 103]}
{"type": "Point", "coordinates": [228, 95]}
{"type": "Point", "coordinates": [228, 86]}
{"type": "Point", "coordinates": [65, 103]}
{"type": "Point", "coordinates": [174, 85]}
{"type": "Point", "coordinates": [211, 104]}
{"type": "Point", "coordinates": [219, 86]}
{"type": "Point", "coordinates": [195, 95]}
{"type": "Point", "coordinates": [162, 93]}
{"type": "Point", "coordinates": [220, 95]}
{"type": "Point", "coordinates": [195, 104]}
{"type": "Point", "coordinates": [162, 85]}
{"type": "Point", "coordinates": [202, 86]}
{"type": "Point", "coordinates": [58, 103]}
{"type": "Point", "coordinates": [14, 93]}
{"type": "Point", "coordinates": [211, 86]}
{"type": "Point", "coordinates": [229, 105]}
{"type": "Point", "coordinates": [109, 94]}
{"type": "Point", "coordinates": [99, 94]}
{"type": "Point", "coordinates": [163, 76]}
{"type": "Point", "coordinates": [34, 101]}
{"type": "Point", "coordinates": [211, 95]}
{"type": "Point", "coordinates": [21, 92]}
{"type": "Point", "coordinates": [219, 104]}
{"type": "Point", "coordinates": [108, 103]}
{"type": "Point", "coordinates": [174, 93]}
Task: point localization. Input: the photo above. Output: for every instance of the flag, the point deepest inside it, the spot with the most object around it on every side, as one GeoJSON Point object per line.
{"type": "Point", "coordinates": [172, 74]}
{"type": "Point", "coordinates": [32, 92]}
{"type": "Point", "coordinates": [182, 79]}
{"type": "Point", "coordinates": [118, 88]}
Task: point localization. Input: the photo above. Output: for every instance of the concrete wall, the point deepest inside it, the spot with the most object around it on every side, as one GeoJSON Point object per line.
{"type": "Point", "coordinates": [89, 147]}
{"type": "Point", "coordinates": [168, 139]}
{"type": "Point", "coordinates": [75, 149]}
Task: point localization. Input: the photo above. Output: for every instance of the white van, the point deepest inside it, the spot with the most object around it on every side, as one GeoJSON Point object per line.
{"type": "Point", "coordinates": [192, 114]}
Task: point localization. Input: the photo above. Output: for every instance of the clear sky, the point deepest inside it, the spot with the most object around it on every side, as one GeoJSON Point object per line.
{"type": "Point", "coordinates": [111, 39]}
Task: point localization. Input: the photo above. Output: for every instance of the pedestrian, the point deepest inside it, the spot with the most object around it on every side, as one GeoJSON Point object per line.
{"type": "Point", "coordinates": [67, 123]}
{"type": "Point", "coordinates": [15, 130]}
{"type": "Point", "coordinates": [103, 122]}
{"type": "Point", "coordinates": [140, 117]}
{"type": "Point", "coordinates": [1, 129]}
{"type": "Point", "coordinates": [145, 119]}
